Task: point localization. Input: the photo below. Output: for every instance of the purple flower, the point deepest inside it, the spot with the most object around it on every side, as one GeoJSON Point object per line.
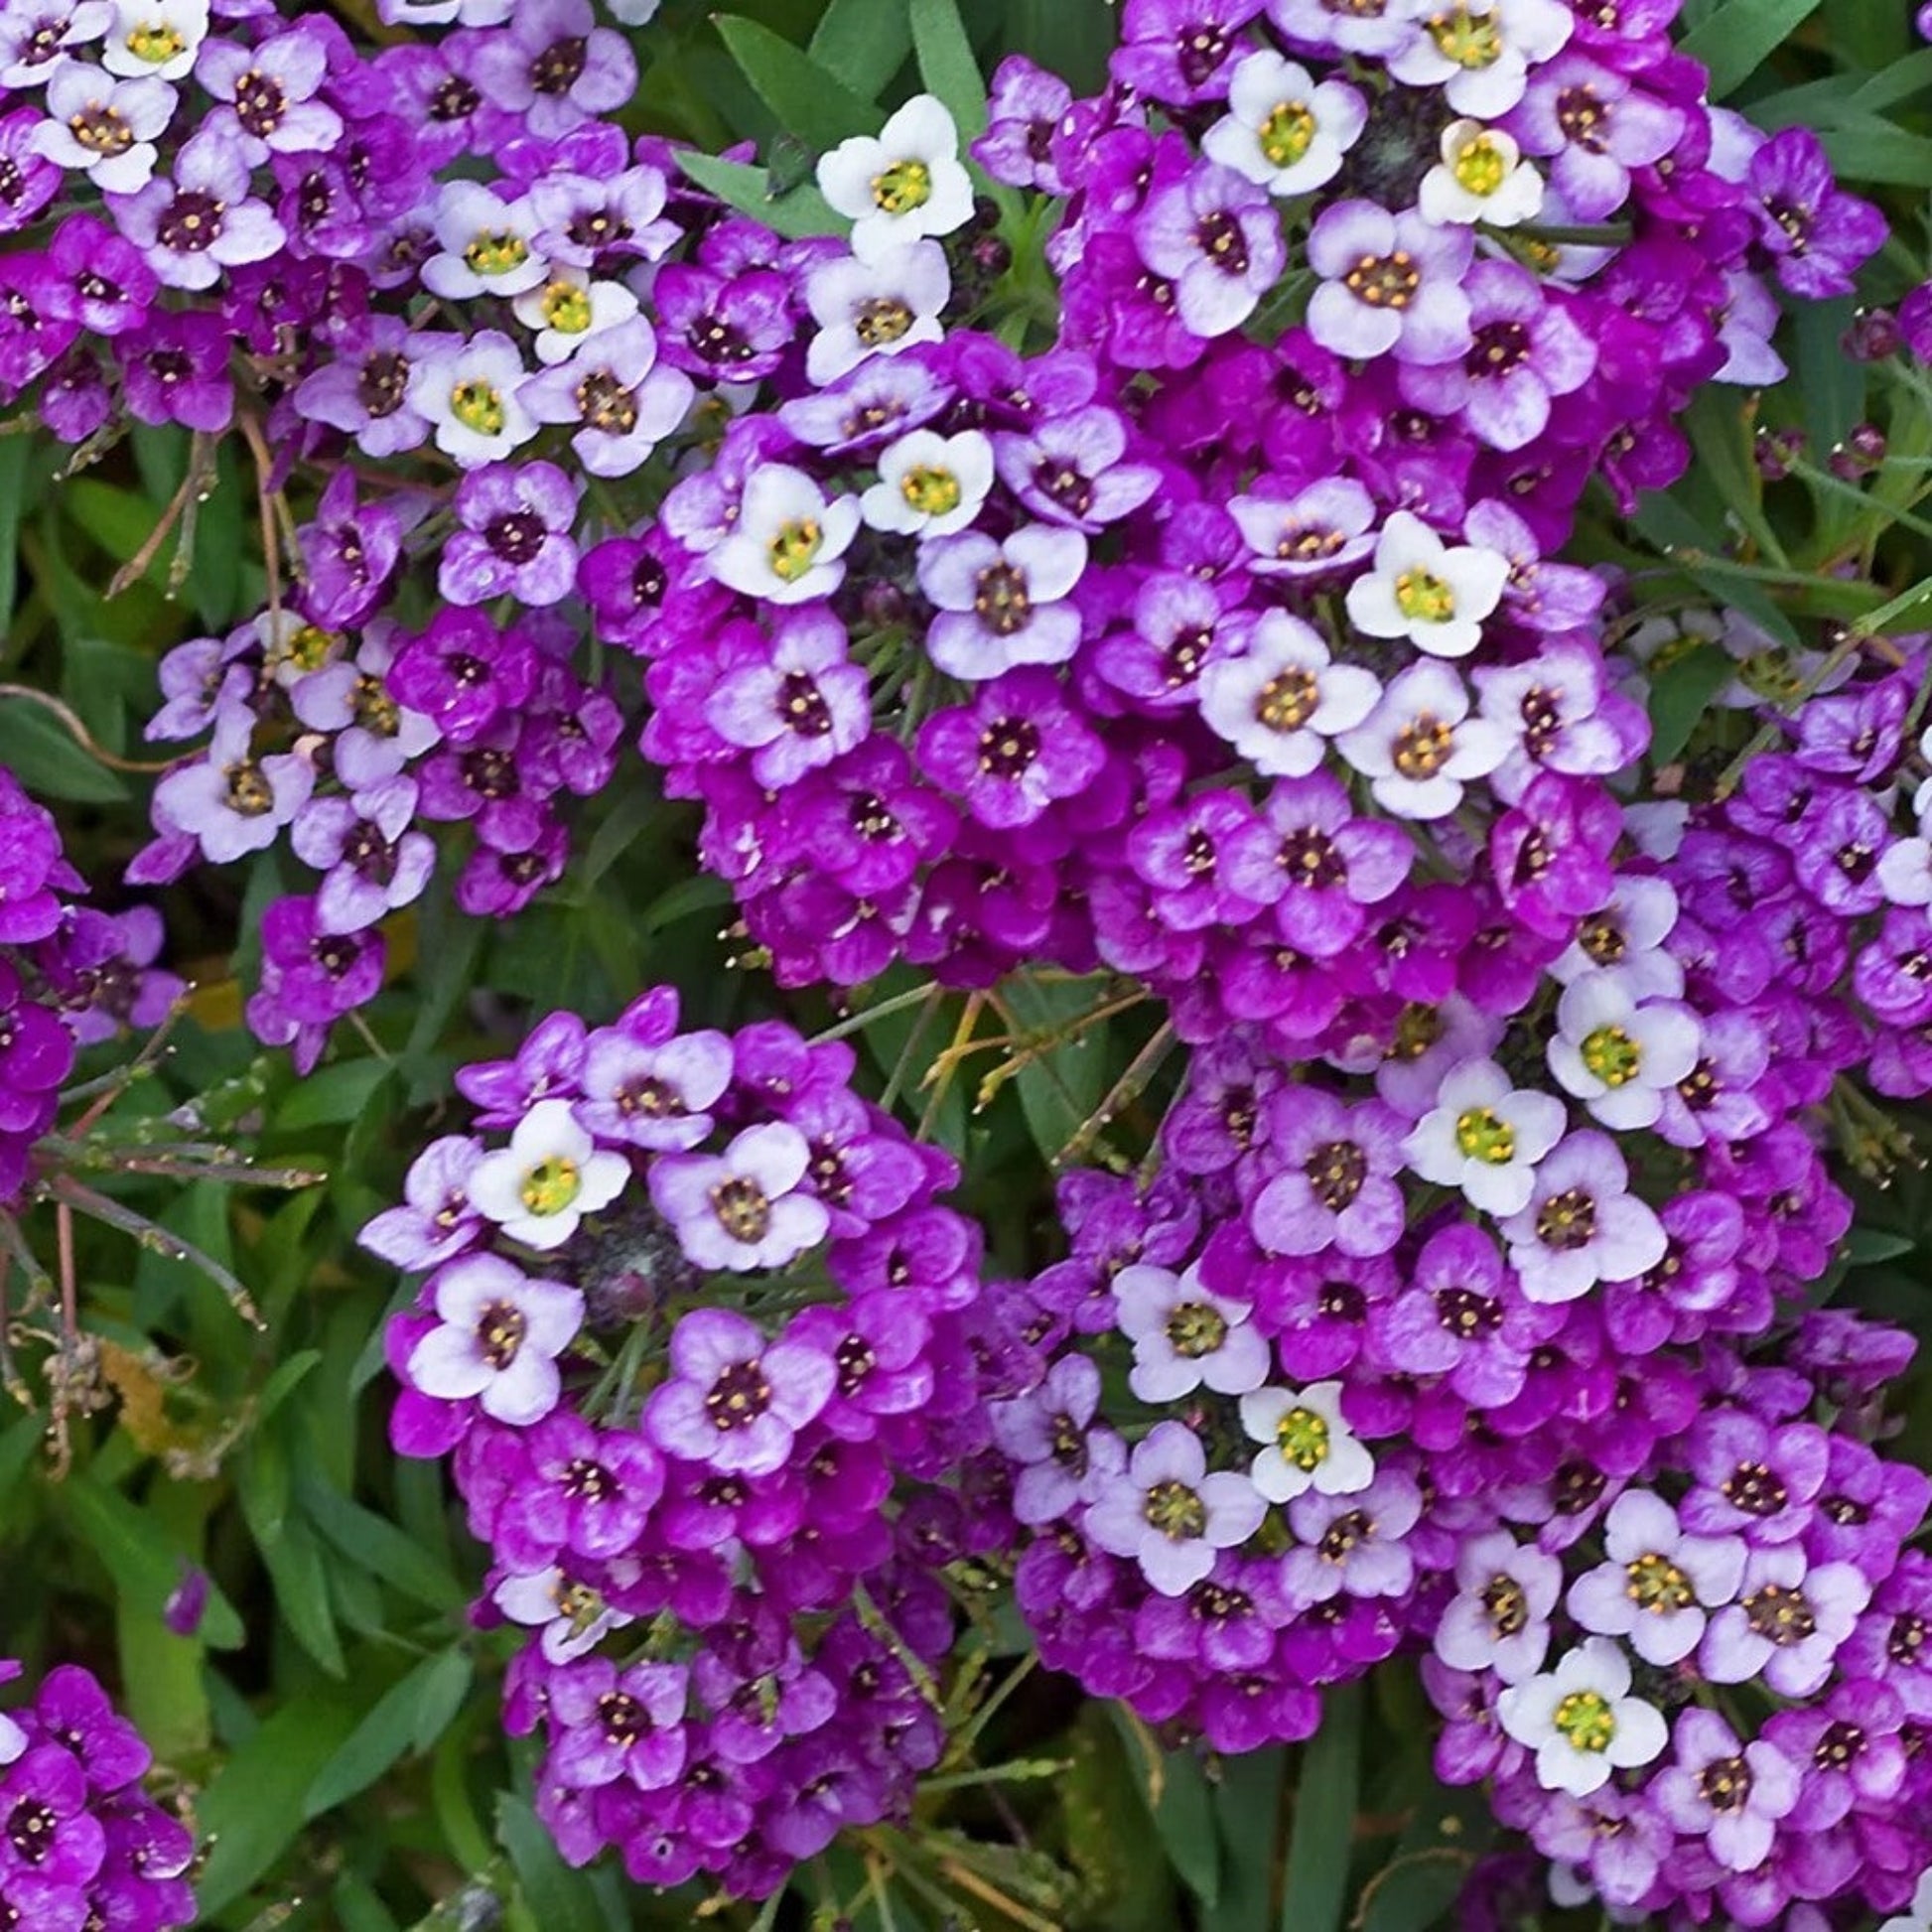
{"type": "Point", "coordinates": [802, 707]}
{"type": "Point", "coordinates": [375, 863]}
{"type": "Point", "coordinates": [498, 1335]}
{"type": "Point", "coordinates": [742, 1210]}
{"type": "Point", "coordinates": [202, 220]}
{"type": "Point", "coordinates": [232, 802]}
{"type": "Point", "coordinates": [75, 1711]}
{"type": "Point", "coordinates": [1216, 236]}
{"type": "Point", "coordinates": [51, 1833]}
{"type": "Point", "coordinates": [1026, 106]}
{"type": "Point", "coordinates": [1352, 1545]}
{"type": "Point", "coordinates": [1336, 1185]}
{"type": "Point", "coordinates": [553, 64]}
{"type": "Point", "coordinates": [1185, 1336]}
{"type": "Point", "coordinates": [1817, 234]}
{"type": "Point", "coordinates": [1754, 1480]}
{"type": "Point", "coordinates": [271, 88]}
{"type": "Point", "coordinates": [1390, 284]}
{"type": "Point", "coordinates": [436, 1220]}
{"type": "Point", "coordinates": [1013, 751]}
{"type": "Point", "coordinates": [104, 126]}
{"type": "Point", "coordinates": [1598, 126]}
{"type": "Point", "coordinates": [363, 389]}
{"type": "Point", "coordinates": [1729, 1795]}
{"type": "Point", "coordinates": [463, 673]}
{"type": "Point", "coordinates": [1583, 1225]}
{"type": "Point", "coordinates": [1000, 604]}
{"type": "Point", "coordinates": [619, 398]}
{"type": "Point", "coordinates": [1168, 1515]}
{"type": "Point", "coordinates": [587, 1491]}
{"type": "Point", "coordinates": [175, 369]}
{"type": "Point", "coordinates": [614, 1723]}
{"type": "Point", "coordinates": [734, 1401]}
{"type": "Point", "coordinates": [1499, 1618]}
{"type": "Point", "coordinates": [1787, 1623]}
{"type": "Point", "coordinates": [513, 539]}
{"type": "Point", "coordinates": [1064, 1461]}
{"type": "Point", "coordinates": [1657, 1583]}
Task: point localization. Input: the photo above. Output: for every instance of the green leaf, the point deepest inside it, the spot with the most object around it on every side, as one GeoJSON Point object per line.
{"type": "Point", "coordinates": [811, 104]}
{"type": "Point", "coordinates": [1681, 694]}
{"type": "Point", "coordinates": [863, 41]}
{"type": "Point", "coordinates": [1719, 424]}
{"type": "Point", "coordinates": [1183, 1814]}
{"type": "Point", "coordinates": [408, 1717]}
{"type": "Point", "coordinates": [1317, 1884]}
{"type": "Point", "coordinates": [804, 211]}
{"type": "Point", "coordinates": [559, 1899]}
{"type": "Point", "coordinates": [14, 453]}
{"type": "Point", "coordinates": [1873, 150]}
{"type": "Point", "coordinates": [300, 1579]}
{"type": "Point", "coordinates": [47, 759]}
{"type": "Point", "coordinates": [1061, 1086]}
{"type": "Point", "coordinates": [1865, 1247]}
{"type": "Point", "coordinates": [252, 1807]}
{"type": "Point", "coordinates": [947, 66]}
{"type": "Point", "coordinates": [1248, 1810]}
{"type": "Point", "coordinates": [143, 1560]}
{"type": "Point", "coordinates": [1734, 40]}
{"type": "Point", "coordinates": [376, 1545]}
{"type": "Point", "coordinates": [333, 1095]}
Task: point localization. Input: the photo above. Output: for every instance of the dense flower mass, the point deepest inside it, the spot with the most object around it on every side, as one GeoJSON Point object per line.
{"type": "Point", "coordinates": [685, 1334]}
{"type": "Point", "coordinates": [1210, 630]}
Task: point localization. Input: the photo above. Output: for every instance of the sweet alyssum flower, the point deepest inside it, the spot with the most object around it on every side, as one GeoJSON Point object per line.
{"type": "Point", "coordinates": [1581, 1719]}
{"type": "Point", "coordinates": [1481, 177]}
{"type": "Point", "coordinates": [879, 307]}
{"type": "Point", "coordinates": [1307, 1442]}
{"type": "Point", "coordinates": [903, 183]}
{"type": "Point", "coordinates": [1499, 1618]}
{"type": "Point", "coordinates": [1168, 1515]}
{"type": "Point", "coordinates": [1617, 1055]}
{"type": "Point", "coordinates": [1657, 1583]}
{"type": "Point", "coordinates": [742, 1210]}
{"type": "Point", "coordinates": [1283, 128]}
{"type": "Point", "coordinates": [1582, 1224]}
{"type": "Point", "coordinates": [1002, 603]}
{"type": "Point", "coordinates": [733, 1400]}
{"type": "Point", "coordinates": [1283, 696]}
{"type": "Point", "coordinates": [1185, 1336]}
{"type": "Point", "coordinates": [539, 1188]}
{"type": "Point", "coordinates": [1485, 1136]}
{"type": "Point", "coordinates": [497, 1337]}
{"type": "Point", "coordinates": [930, 485]}
{"type": "Point", "coordinates": [788, 542]}
{"type": "Point", "coordinates": [1423, 590]}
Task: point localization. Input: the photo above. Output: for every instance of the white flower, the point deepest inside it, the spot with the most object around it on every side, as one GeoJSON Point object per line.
{"type": "Point", "coordinates": [1422, 590]}
{"type": "Point", "coordinates": [1419, 747]}
{"type": "Point", "coordinates": [487, 244]}
{"type": "Point", "coordinates": [788, 542]}
{"type": "Point", "coordinates": [552, 1174]}
{"type": "Point", "coordinates": [1185, 1336]}
{"type": "Point", "coordinates": [574, 1617]}
{"type": "Point", "coordinates": [469, 390]}
{"type": "Point", "coordinates": [929, 484]}
{"type": "Point", "coordinates": [874, 308]}
{"type": "Point", "coordinates": [293, 649]}
{"type": "Point", "coordinates": [569, 309]}
{"type": "Point", "coordinates": [904, 184]}
{"type": "Point", "coordinates": [1581, 1719]}
{"type": "Point", "coordinates": [1485, 1136]}
{"type": "Point", "coordinates": [1282, 129]}
{"type": "Point", "coordinates": [1281, 697]}
{"type": "Point", "coordinates": [1480, 52]}
{"type": "Point", "coordinates": [1616, 1056]}
{"type": "Point", "coordinates": [1481, 177]}
{"type": "Point", "coordinates": [155, 37]}
{"type": "Point", "coordinates": [1308, 1445]}
{"type": "Point", "coordinates": [103, 126]}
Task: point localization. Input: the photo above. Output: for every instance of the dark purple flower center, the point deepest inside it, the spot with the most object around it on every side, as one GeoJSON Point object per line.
{"type": "Point", "coordinates": [1752, 1488]}
{"type": "Point", "coordinates": [1576, 1488]}
{"type": "Point", "coordinates": [1506, 1606]}
{"type": "Point", "coordinates": [30, 1826]}
{"type": "Point", "coordinates": [1341, 1302]}
{"type": "Point", "coordinates": [589, 1481]}
{"type": "Point", "coordinates": [490, 773]}
{"type": "Point", "coordinates": [1343, 1535]}
{"type": "Point", "coordinates": [1845, 1511]}
{"type": "Point", "coordinates": [560, 65]}
{"type": "Point", "coordinates": [336, 953]}
{"type": "Point", "coordinates": [1726, 1783]}
{"type": "Point", "coordinates": [1199, 49]}
{"type": "Point", "coordinates": [169, 367]}
{"type": "Point", "coordinates": [381, 383]}
{"type": "Point", "coordinates": [1065, 484]}
{"type": "Point", "coordinates": [1216, 1604]}
{"type": "Point", "coordinates": [1698, 1088]}
{"type": "Point", "coordinates": [518, 538]}
{"type": "Point", "coordinates": [854, 1361]}
{"type": "Point", "coordinates": [742, 1208]}
{"type": "Point", "coordinates": [602, 402]}
{"type": "Point", "coordinates": [102, 130]}
{"type": "Point", "coordinates": [802, 706]}
{"type": "Point", "coordinates": [597, 229]}
{"type": "Point", "coordinates": [1567, 1220]}
{"type": "Point", "coordinates": [1794, 219]}
{"type": "Point", "coordinates": [454, 99]}
{"type": "Point", "coordinates": [714, 340]}
{"type": "Point", "coordinates": [192, 224]}
{"type": "Point", "coordinates": [1856, 861]}
{"type": "Point", "coordinates": [1465, 1313]}
{"type": "Point", "coordinates": [1336, 1171]}
{"type": "Point", "coordinates": [370, 854]}
{"type": "Point", "coordinates": [1008, 748]}
{"type": "Point", "coordinates": [1312, 858]}
{"type": "Point", "coordinates": [13, 184]}
{"type": "Point", "coordinates": [1783, 1615]}
{"type": "Point", "coordinates": [1221, 239]}
{"type": "Point", "coordinates": [260, 103]}
{"type": "Point", "coordinates": [999, 600]}
{"type": "Point", "coordinates": [1581, 117]}
{"type": "Point", "coordinates": [622, 1719]}
{"type": "Point", "coordinates": [1907, 1639]}
{"type": "Point", "coordinates": [738, 1397]}
{"type": "Point", "coordinates": [1838, 1745]}
{"type": "Point", "coordinates": [1384, 281]}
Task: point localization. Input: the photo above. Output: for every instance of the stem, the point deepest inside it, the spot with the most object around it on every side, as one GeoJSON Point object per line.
{"type": "Point", "coordinates": [83, 737]}
{"type": "Point", "coordinates": [161, 1240]}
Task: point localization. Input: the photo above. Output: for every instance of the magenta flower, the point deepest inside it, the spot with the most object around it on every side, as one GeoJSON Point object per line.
{"type": "Point", "coordinates": [514, 536]}
{"type": "Point", "coordinates": [803, 706]}
{"type": "Point", "coordinates": [1018, 749]}
{"type": "Point", "coordinates": [735, 1401]}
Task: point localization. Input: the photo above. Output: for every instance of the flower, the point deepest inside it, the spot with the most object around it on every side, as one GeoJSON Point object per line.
{"type": "Point", "coordinates": [497, 1337]}
{"type": "Point", "coordinates": [467, 388]}
{"type": "Point", "coordinates": [788, 542]}
{"type": "Point", "coordinates": [1336, 1184]}
{"type": "Point", "coordinates": [1499, 1618]}
{"type": "Point", "coordinates": [1581, 1719]}
{"type": "Point", "coordinates": [1185, 1335]}
{"type": "Point", "coordinates": [1581, 1225]}
{"type": "Point", "coordinates": [160, 38]}
{"type": "Point", "coordinates": [1168, 1515]}
{"type": "Point", "coordinates": [1282, 128]}
{"type": "Point", "coordinates": [903, 183]}
{"type": "Point", "coordinates": [1480, 52]}
{"type": "Point", "coordinates": [1422, 590]}
{"type": "Point", "coordinates": [1216, 236]}
{"type": "Point", "coordinates": [1616, 1056]}
{"type": "Point", "coordinates": [1787, 1622]}
{"type": "Point", "coordinates": [1309, 1442]}
{"type": "Point", "coordinates": [1000, 604]}
{"type": "Point", "coordinates": [1420, 746]}
{"type": "Point", "coordinates": [513, 537]}
{"type": "Point", "coordinates": [1283, 696]}
{"type": "Point", "coordinates": [880, 307]}
{"type": "Point", "coordinates": [104, 126]}
{"type": "Point", "coordinates": [1481, 177]}
{"type": "Point", "coordinates": [735, 1399]}
{"type": "Point", "coordinates": [741, 1209]}
{"type": "Point", "coordinates": [930, 485]}
{"type": "Point", "coordinates": [539, 1188]}
{"type": "Point", "coordinates": [1485, 1136]}
{"type": "Point", "coordinates": [1657, 1583]}
{"type": "Point", "coordinates": [1729, 1794]}
{"type": "Point", "coordinates": [1391, 284]}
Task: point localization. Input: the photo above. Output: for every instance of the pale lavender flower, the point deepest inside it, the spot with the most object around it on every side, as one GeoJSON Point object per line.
{"type": "Point", "coordinates": [1185, 1336]}
{"type": "Point", "coordinates": [498, 1335]}
{"type": "Point", "coordinates": [1657, 1583]}
{"type": "Point", "coordinates": [1499, 1618]}
{"type": "Point", "coordinates": [1583, 1225]}
{"type": "Point", "coordinates": [742, 1210]}
{"type": "Point", "coordinates": [735, 1401]}
{"type": "Point", "coordinates": [1168, 1515]}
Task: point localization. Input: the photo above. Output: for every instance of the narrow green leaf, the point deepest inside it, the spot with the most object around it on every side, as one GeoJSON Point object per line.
{"type": "Point", "coordinates": [1866, 1247]}
{"type": "Point", "coordinates": [804, 211]}
{"type": "Point", "coordinates": [815, 106]}
{"type": "Point", "coordinates": [279, 1385]}
{"type": "Point", "coordinates": [376, 1545]}
{"type": "Point", "coordinates": [1184, 1816]}
{"type": "Point", "coordinates": [559, 1899]}
{"type": "Point", "coordinates": [14, 497]}
{"type": "Point", "coordinates": [863, 41]}
{"type": "Point", "coordinates": [300, 1579]}
{"type": "Point", "coordinates": [333, 1095]}
{"type": "Point", "coordinates": [47, 759]}
{"type": "Point", "coordinates": [1248, 1811]}
{"type": "Point", "coordinates": [1681, 694]}
{"type": "Point", "coordinates": [1733, 41]}
{"type": "Point", "coordinates": [1873, 150]}
{"type": "Point", "coordinates": [252, 1807]}
{"type": "Point", "coordinates": [947, 65]}
{"type": "Point", "coordinates": [144, 1560]}
{"type": "Point", "coordinates": [408, 1717]}
{"type": "Point", "coordinates": [1317, 1885]}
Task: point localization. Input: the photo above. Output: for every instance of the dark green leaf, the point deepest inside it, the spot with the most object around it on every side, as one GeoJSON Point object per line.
{"type": "Point", "coordinates": [947, 66]}
{"type": "Point", "coordinates": [374, 1543]}
{"type": "Point", "coordinates": [410, 1716]}
{"type": "Point", "coordinates": [1317, 1884]}
{"type": "Point", "coordinates": [1061, 1085]}
{"type": "Point", "coordinates": [144, 1560]}
{"type": "Point", "coordinates": [804, 211]}
{"type": "Point", "coordinates": [863, 41]}
{"type": "Point", "coordinates": [812, 105]}
{"type": "Point", "coordinates": [1733, 41]}
{"type": "Point", "coordinates": [300, 1579]}
{"type": "Point", "coordinates": [15, 452]}
{"type": "Point", "coordinates": [333, 1095]}
{"type": "Point", "coordinates": [46, 757]}
{"type": "Point", "coordinates": [1873, 150]}
{"type": "Point", "coordinates": [1865, 1247]}
{"type": "Point", "coordinates": [1248, 1810]}
{"type": "Point", "coordinates": [560, 1899]}
{"type": "Point", "coordinates": [1681, 694]}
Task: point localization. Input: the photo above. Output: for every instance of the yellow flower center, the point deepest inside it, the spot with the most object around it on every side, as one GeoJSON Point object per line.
{"type": "Point", "coordinates": [566, 308]}
{"type": "Point", "coordinates": [794, 549]}
{"type": "Point", "coordinates": [930, 489]}
{"type": "Point", "coordinates": [1288, 133]}
{"type": "Point", "coordinates": [1195, 1329]}
{"type": "Point", "coordinates": [1612, 1056]}
{"type": "Point", "coordinates": [496, 254]}
{"type": "Point", "coordinates": [1482, 1134]}
{"type": "Point", "coordinates": [157, 43]}
{"type": "Point", "coordinates": [1303, 1438]}
{"type": "Point", "coordinates": [1584, 1718]}
{"type": "Point", "coordinates": [479, 406]}
{"type": "Point", "coordinates": [902, 187]}
{"type": "Point", "coordinates": [551, 1185]}
{"type": "Point", "coordinates": [1480, 166]}
{"type": "Point", "coordinates": [1469, 40]}
{"type": "Point", "coordinates": [1423, 597]}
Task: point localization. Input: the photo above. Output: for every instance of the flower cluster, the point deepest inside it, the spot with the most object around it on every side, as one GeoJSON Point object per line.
{"type": "Point", "coordinates": [683, 1333]}
{"type": "Point", "coordinates": [81, 1844]}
